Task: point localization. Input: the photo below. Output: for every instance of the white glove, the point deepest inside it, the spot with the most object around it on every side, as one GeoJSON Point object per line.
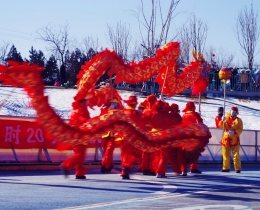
{"type": "Point", "coordinates": [223, 118]}
{"type": "Point", "coordinates": [231, 132]}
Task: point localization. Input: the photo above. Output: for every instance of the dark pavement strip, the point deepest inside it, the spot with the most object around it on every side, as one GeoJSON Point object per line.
{"type": "Point", "coordinates": [50, 190]}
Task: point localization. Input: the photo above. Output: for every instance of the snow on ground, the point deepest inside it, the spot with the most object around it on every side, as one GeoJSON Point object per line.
{"type": "Point", "coordinates": [14, 102]}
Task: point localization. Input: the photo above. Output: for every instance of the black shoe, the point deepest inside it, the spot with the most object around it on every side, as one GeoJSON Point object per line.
{"type": "Point", "coordinates": [103, 169]}
{"type": "Point", "coordinates": [125, 177]}
{"type": "Point", "coordinates": [152, 173]}
{"type": "Point", "coordinates": [146, 172]}
{"type": "Point", "coordinates": [139, 170]}
{"type": "Point", "coordinates": [184, 173]}
{"type": "Point", "coordinates": [110, 168]}
{"type": "Point", "coordinates": [125, 173]}
{"type": "Point", "coordinates": [149, 173]}
{"type": "Point", "coordinates": [224, 170]}
{"type": "Point", "coordinates": [64, 171]}
{"type": "Point", "coordinates": [80, 177]}
{"type": "Point", "coordinates": [238, 171]}
{"type": "Point", "coordinates": [160, 176]}
{"type": "Point", "coordinates": [196, 171]}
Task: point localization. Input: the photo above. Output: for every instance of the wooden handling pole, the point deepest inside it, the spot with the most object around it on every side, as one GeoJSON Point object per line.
{"type": "Point", "coordinates": [161, 97]}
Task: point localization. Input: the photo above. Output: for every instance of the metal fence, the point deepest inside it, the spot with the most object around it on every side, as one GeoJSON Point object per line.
{"type": "Point", "coordinates": [243, 81]}
{"type": "Point", "coordinates": [249, 146]}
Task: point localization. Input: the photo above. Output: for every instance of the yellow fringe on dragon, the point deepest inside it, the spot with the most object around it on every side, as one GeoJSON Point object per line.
{"type": "Point", "coordinates": [29, 77]}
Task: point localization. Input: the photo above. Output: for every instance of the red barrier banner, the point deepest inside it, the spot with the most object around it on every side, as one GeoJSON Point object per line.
{"type": "Point", "coordinates": [25, 133]}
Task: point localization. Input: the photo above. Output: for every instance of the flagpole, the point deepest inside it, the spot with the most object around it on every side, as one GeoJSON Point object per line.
{"type": "Point", "coordinates": [199, 102]}
{"type": "Point", "coordinates": [224, 75]}
{"type": "Point", "coordinates": [224, 107]}
{"type": "Point", "coordinates": [111, 91]}
{"type": "Point", "coordinates": [161, 97]}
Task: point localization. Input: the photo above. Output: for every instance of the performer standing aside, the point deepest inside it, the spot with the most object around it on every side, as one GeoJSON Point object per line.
{"type": "Point", "coordinates": [189, 117]}
{"type": "Point", "coordinates": [78, 116]}
{"type": "Point", "coordinates": [230, 141]}
{"type": "Point", "coordinates": [63, 78]}
{"type": "Point", "coordinates": [218, 118]}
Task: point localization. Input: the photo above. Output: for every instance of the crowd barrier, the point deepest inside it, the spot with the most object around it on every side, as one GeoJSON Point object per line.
{"type": "Point", "coordinates": [22, 140]}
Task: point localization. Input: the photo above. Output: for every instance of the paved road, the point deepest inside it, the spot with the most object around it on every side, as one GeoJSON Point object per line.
{"type": "Point", "coordinates": [210, 190]}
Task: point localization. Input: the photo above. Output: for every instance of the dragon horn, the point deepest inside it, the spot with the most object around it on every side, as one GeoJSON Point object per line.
{"type": "Point", "coordinates": [194, 55]}
{"type": "Point", "coordinates": [201, 57]}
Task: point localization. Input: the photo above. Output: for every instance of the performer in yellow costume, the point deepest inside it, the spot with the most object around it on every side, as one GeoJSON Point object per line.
{"type": "Point", "coordinates": [230, 141]}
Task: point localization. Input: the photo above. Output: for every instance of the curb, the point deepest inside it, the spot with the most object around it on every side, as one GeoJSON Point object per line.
{"type": "Point", "coordinates": [43, 166]}
{"type": "Point", "coordinates": [95, 165]}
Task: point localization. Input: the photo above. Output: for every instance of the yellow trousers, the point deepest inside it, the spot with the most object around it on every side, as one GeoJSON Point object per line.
{"type": "Point", "coordinates": [235, 155]}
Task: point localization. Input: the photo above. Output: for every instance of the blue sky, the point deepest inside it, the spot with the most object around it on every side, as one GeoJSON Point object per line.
{"type": "Point", "coordinates": [21, 19]}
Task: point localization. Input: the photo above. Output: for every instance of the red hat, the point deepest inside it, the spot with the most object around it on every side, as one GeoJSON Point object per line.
{"type": "Point", "coordinates": [234, 108]}
{"type": "Point", "coordinates": [166, 106]}
{"type": "Point", "coordinates": [159, 105]}
{"type": "Point", "coordinates": [141, 105]}
{"type": "Point", "coordinates": [151, 99]}
{"type": "Point", "coordinates": [190, 106]}
{"type": "Point", "coordinates": [174, 107]}
{"type": "Point", "coordinates": [132, 100]}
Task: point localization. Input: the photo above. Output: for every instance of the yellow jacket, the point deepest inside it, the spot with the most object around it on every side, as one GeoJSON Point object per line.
{"type": "Point", "coordinates": [231, 124]}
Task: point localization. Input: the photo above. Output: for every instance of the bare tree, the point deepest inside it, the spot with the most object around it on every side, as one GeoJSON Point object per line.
{"type": "Point", "coordinates": [219, 58]}
{"type": "Point", "coordinates": [154, 32]}
{"type": "Point", "coordinates": [198, 34]}
{"type": "Point", "coordinates": [185, 41]}
{"type": "Point", "coordinates": [57, 39]}
{"type": "Point", "coordinates": [137, 52]}
{"type": "Point", "coordinates": [193, 37]}
{"type": "Point", "coordinates": [3, 51]}
{"type": "Point", "coordinates": [120, 39]}
{"type": "Point", "coordinates": [247, 31]}
{"type": "Point", "coordinates": [224, 58]}
{"type": "Point", "coordinates": [90, 43]}
{"type": "Point", "coordinates": [210, 53]}
{"type": "Point", "coordinates": [154, 28]}
{"type": "Point", "coordinates": [257, 65]}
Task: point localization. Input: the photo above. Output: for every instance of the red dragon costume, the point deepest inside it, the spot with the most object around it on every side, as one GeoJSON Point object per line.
{"type": "Point", "coordinates": [192, 137]}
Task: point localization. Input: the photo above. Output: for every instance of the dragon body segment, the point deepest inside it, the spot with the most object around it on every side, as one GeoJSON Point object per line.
{"type": "Point", "coordinates": [192, 137]}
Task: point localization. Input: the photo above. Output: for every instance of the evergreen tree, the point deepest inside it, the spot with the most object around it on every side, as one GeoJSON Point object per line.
{"type": "Point", "coordinates": [67, 56]}
{"type": "Point", "coordinates": [74, 63]}
{"type": "Point", "coordinates": [90, 54]}
{"type": "Point", "coordinates": [14, 55]}
{"type": "Point", "coordinates": [36, 57]}
{"type": "Point", "coordinates": [32, 55]}
{"type": "Point", "coordinates": [26, 60]}
{"type": "Point", "coordinates": [51, 71]}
